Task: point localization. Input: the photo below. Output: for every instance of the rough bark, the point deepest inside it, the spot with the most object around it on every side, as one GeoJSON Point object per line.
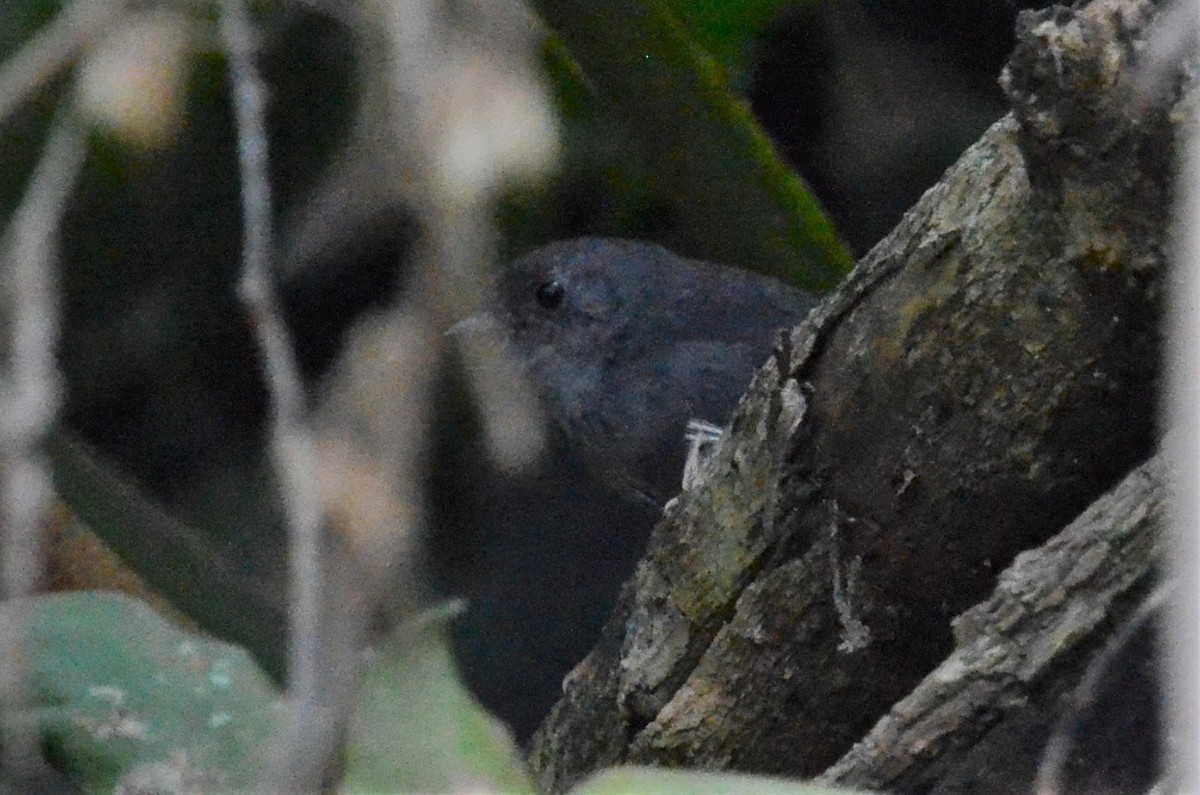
{"type": "Point", "coordinates": [981, 720]}
{"type": "Point", "coordinates": [987, 371]}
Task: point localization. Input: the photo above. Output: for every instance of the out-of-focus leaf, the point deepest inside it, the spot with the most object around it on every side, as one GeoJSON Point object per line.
{"type": "Point", "coordinates": [117, 694]}
{"type": "Point", "coordinates": [731, 197]}
{"type": "Point", "coordinates": [727, 29]}
{"type": "Point", "coordinates": [133, 83]}
{"type": "Point", "coordinates": [650, 781]}
{"type": "Point", "coordinates": [415, 728]}
{"type": "Point", "coordinates": [176, 561]}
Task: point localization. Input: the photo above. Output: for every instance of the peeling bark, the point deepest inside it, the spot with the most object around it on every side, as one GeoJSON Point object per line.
{"type": "Point", "coordinates": [986, 373]}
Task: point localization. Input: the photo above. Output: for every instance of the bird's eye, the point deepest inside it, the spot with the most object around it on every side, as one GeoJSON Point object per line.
{"type": "Point", "coordinates": [550, 294]}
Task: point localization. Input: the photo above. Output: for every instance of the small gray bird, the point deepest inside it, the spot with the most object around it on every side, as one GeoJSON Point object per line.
{"type": "Point", "coordinates": [625, 343]}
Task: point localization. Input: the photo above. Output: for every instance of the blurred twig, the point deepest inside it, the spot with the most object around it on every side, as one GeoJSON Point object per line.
{"type": "Point", "coordinates": [30, 390]}
{"type": "Point", "coordinates": [291, 442]}
{"type": "Point", "coordinates": [53, 49]}
{"type": "Point", "coordinates": [292, 446]}
{"type": "Point", "coordinates": [1173, 42]}
{"type": "Point", "coordinates": [474, 119]}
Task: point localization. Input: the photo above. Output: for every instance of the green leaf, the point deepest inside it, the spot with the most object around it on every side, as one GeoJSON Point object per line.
{"type": "Point", "coordinates": [728, 29]}
{"type": "Point", "coordinates": [650, 781]}
{"type": "Point", "coordinates": [177, 561]}
{"type": "Point", "coordinates": [415, 728]}
{"type": "Point", "coordinates": [731, 197]}
{"type": "Point", "coordinates": [116, 692]}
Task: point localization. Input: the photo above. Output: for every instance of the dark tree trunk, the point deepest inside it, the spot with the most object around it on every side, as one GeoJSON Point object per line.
{"type": "Point", "coordinates": [982, 720]}
{"type": "Point", "coordinates": [987, 372]}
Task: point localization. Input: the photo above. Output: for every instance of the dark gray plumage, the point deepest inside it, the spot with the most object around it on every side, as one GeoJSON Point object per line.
{"type": "Point", "coordinates": [624, 342]}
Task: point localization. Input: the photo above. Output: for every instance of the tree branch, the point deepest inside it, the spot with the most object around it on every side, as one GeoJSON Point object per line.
{"type": "Point", "coordinates": [1019, 654]}
{"type": "Point", "coordinates": [987, 371]}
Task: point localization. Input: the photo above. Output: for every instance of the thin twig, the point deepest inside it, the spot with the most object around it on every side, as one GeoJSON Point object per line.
{"type": "Point", "coordinates": [31, 389]}
{"type": "Point", "coordinates": [292, 444]}
{"type": "Point", "coordinates": [53, 49]}
{"type": "Point", "coordinates": [1183, 389]}
{"type": "Point", "coordinates": [30, 392]}
{"type": "Point", "coordinates": [434, 79]}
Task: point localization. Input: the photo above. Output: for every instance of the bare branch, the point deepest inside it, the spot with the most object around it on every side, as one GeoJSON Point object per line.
{"type": "Point", "coordinates": [292, 445]}
{"type": "Point", "coordinates": [30, 392]}
{"type": "Point", "coordinates": [1017, 655]}
{"type": "Point", "coordinates": [1177, 29]}
{"type": "Point", "coordinates": [985, 372]}
{"type": "Point", "coordinates": [53, 50]}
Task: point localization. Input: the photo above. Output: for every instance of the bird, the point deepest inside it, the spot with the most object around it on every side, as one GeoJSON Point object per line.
{"type": "Point", "coordinates": [624, 343]}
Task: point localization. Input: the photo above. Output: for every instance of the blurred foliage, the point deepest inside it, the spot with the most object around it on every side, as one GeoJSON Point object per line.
{"type": "Point", "coordinates": [178, 562]}
{"type": "Point", "coordinates": [116, 692]}
{"type": "Point", "coordinates": [21, 135]}
{"type": "Point", "coordinates": [415, 729]}
{"type": "Point", "coordinates": [731, 31]}
{"type": "Point", "coordinates": [117, 695]}
{"type": "Point", "coordinates": [162, 375]}
{"type": "Point", "coordinates": [724, 193]}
